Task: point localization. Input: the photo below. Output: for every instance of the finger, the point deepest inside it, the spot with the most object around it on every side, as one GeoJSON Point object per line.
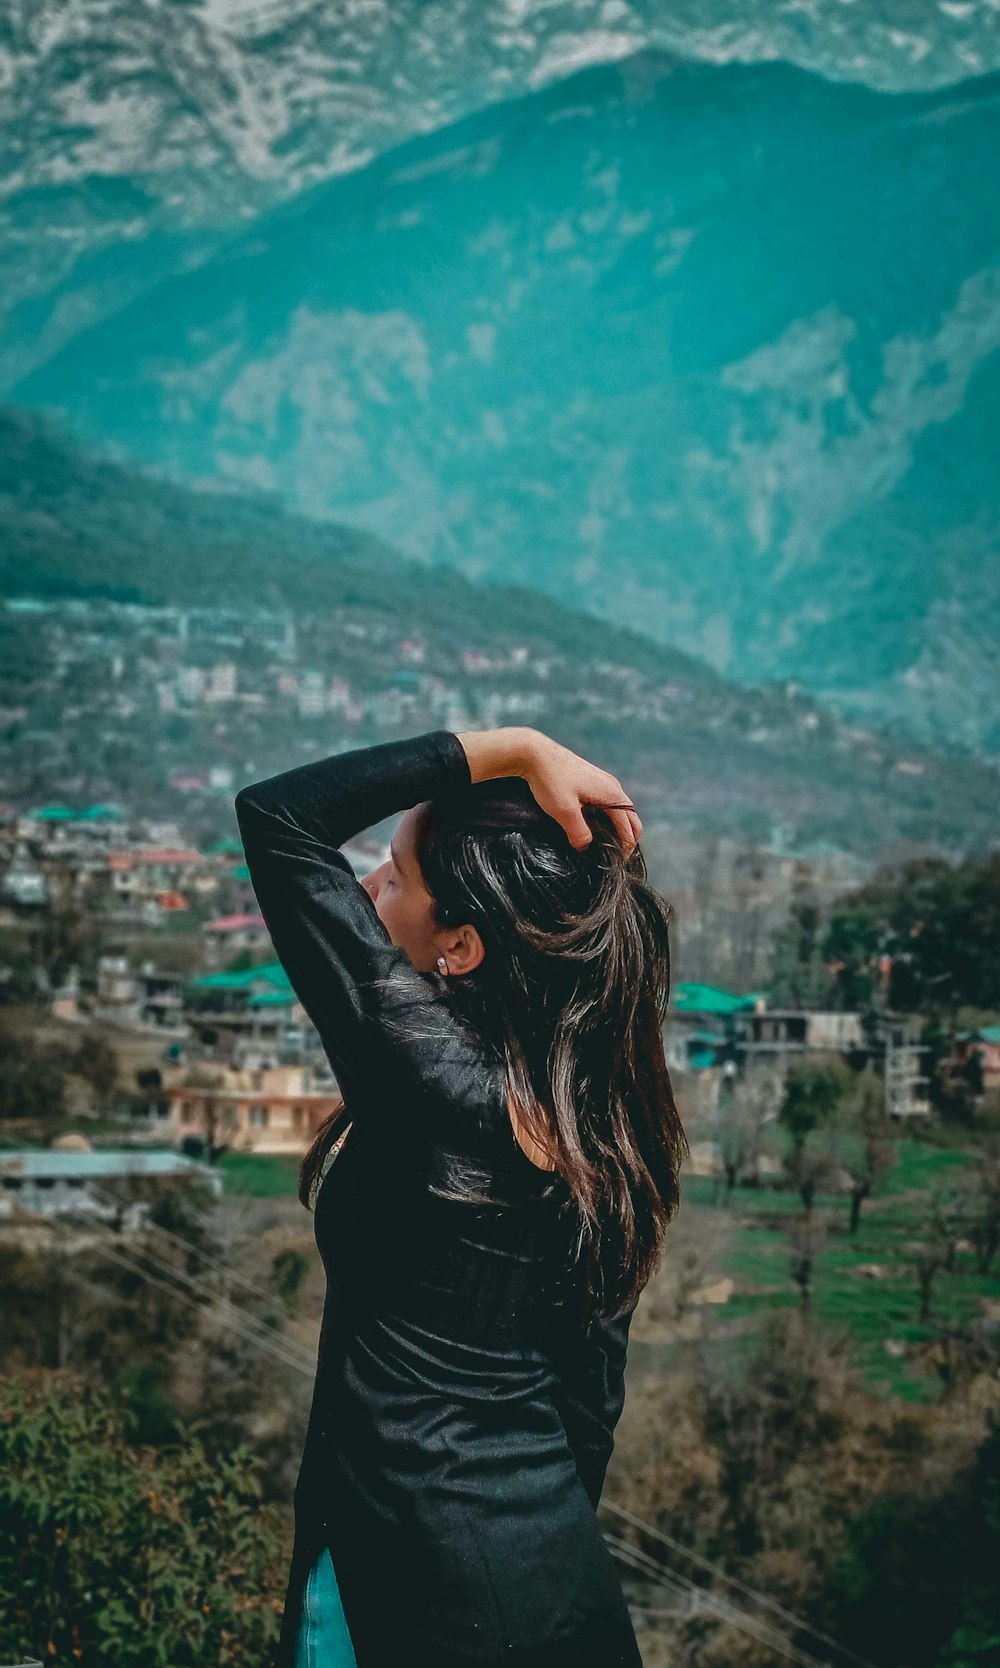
{"type": "Point", "coordinates": [626, 834]}
{"type": "Point", "coordinates": [578, 831]}
{"type": "Point", "coordinates": [626, 820]}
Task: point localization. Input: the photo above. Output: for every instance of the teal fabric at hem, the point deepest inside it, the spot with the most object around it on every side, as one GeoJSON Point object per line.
{"type": "Point", "coordinates": [323, 1640]}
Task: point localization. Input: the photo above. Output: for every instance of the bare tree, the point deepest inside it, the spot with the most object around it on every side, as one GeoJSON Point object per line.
{"type": "Point", "coordinates": [928, 1261]}
{"type": "Point", "coordinates": [737, 1127]}
{"type": "Point", "coordinates": [949, 1213]}
{"type": "Point", "coordinates": [863, 1141]}
{"type": "Point", "coordinates": [808, 1234]}
{"type": "Point", "coordinates": [812, 1167]}
{"type": "Point", "coordinates": [984, 1224]}
{"type": "Point", "coordinates": [692, 1256]}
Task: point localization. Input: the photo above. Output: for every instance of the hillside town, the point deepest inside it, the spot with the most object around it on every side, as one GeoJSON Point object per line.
{"type": "Point", "coordinates": [170, 708]}
{"type": "Point", "coordinates": [158, 947]}
{"type": "Point", "coordinates": [129, 925]}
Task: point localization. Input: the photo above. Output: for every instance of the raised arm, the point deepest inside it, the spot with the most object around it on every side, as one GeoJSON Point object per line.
{"type": "Point", "coordinates": [324, 926]}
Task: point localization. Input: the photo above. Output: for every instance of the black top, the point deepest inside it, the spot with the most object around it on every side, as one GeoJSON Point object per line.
{"type": "Point", "coordinates": [461, 1422]}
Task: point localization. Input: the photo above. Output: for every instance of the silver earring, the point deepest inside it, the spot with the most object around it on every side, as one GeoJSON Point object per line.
{"type": "Point", "coordinates": [442, 964]}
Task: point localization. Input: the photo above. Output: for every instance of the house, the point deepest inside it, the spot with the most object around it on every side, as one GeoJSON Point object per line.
{"type": "Point", "coordinates": [700, 1029]}
{"type": "Point", "coordinates": [228, 935]}
{"type": "Point", "coordinates": [57, 829]}
{"type": "Point", "coordinates": [252, 1012]}
{"type": "Point", "coordinates": [986, 1043]}
{"type": "Point", "coordinates": [146, 999]}
{"type": "Point", "coordinates": [896, 1056]}
{"type": "Point", "coordinates": [160, 876]}
{"type": "Point", "coordinates": [777, 1032]}
{"type": "Point", "coordinates": [25, 885]}
{"type": "Point", "coordinates": [276, 1109]}
{"type": "Point", "coordinates": [56, 1183]}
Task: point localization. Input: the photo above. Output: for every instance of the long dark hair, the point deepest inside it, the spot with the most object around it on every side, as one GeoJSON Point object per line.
{"type": "Point", "coordinates": [570, 998]}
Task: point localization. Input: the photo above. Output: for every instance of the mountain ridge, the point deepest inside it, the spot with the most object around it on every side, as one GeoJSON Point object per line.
{"type": "Point", "coordinates": [760, 416]}
{"type": "Point", "coordinates": [708, 756]}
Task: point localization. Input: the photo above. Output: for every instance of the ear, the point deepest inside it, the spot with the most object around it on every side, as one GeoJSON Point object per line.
{"type": "Point", "coordinates": [464, 949]}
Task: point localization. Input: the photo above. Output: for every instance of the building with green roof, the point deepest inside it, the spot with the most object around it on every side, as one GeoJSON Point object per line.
{"type": "Point", "coordinates": [709, 999]}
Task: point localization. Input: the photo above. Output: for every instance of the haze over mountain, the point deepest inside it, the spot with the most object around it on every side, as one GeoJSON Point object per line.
{"type": "Point", "coordinates": [711, 352]}
{"type": "Point", "coordinates": [704, 755]}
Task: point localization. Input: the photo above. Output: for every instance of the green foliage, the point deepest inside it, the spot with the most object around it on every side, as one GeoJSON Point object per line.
{"type": "Point", "coordinates": [800, 976]}
{"type": "Point", "coordinates": [116, 1556]}
{"type": "Point", "coordinates": [917, 1580]}
{"type": "Point", "coordinates": [939, 923]}
{"type": "Point", "coordinates": [32, 1078]}
{"type": "Point", "coordinates": [812, 1094]}
{"type": "Point", "coordinates": [97, 1063]}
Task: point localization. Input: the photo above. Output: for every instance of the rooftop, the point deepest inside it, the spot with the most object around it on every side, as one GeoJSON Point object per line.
{"type": "Point", "coordinates": [271, 973]}
{"type": "Point", "coordinates": [234, 923]}
{"type": "Point", "coordinates": [709, 999]}
{"type": "Point", "coordinates": [110, 1162]}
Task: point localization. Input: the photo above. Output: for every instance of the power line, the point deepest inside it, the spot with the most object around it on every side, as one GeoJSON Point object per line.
{"type": "Point", "coordinates": [209, 1256]}
{"type": "Point", "coordinates": [740, 1586]}
{"type": "Point", "coordinates": [722, 1609]}
{"type": "Point", "coordinates": [254, 1331]}
{"type": "Point", "coordinates": [199, 1285]}
{"type": "Point", "coordinates": [271, 1348]}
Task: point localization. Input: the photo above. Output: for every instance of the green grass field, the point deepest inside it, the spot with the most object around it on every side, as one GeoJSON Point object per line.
{"type": "Point", "coordinates": [872, 1310]}
{"type": "Point", "coordinates": [259, 1175]}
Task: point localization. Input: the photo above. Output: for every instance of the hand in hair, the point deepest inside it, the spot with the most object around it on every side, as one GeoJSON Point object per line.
{"type": "Point", "coordinates": [561, 781]}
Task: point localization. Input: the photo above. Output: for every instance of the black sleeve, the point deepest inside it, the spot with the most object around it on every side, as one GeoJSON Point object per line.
{"type": "Point", "coordinates": [349, 976]}
{"type": "Point", "coordinates": [592, 1395]}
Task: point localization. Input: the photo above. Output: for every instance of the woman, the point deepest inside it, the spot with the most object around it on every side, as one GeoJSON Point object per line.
{"type": "Point", "coordinates": [506, 1154]}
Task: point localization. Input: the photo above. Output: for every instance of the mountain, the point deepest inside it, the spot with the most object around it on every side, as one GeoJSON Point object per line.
{"type": "Point", "coordinates": [156, 130]}
{"type": "Point", "coordinates": [709, 352]}
{"type": "Point", "coordinates": [704, 755]}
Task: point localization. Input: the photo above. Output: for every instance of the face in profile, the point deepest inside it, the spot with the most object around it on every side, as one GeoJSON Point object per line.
{"type": "Point", "coordinates": [406, 909]}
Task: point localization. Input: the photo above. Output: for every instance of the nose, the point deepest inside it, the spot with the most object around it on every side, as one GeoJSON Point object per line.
{"type": "Point", "coordinates": [372, 881]}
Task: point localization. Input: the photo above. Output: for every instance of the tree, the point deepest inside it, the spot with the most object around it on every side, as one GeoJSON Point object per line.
{"type": "Point", "coordinates": [984, 1205]}
{"type": "Point", "coordinates": [32, 1078]}
{"type": "Point", "coordinates": [808, 1235]}
{"type": "Point", "coordinates": [863, 1138]}
{"type": "Point", "coordinates": [975, 1642]}
{"type": "Point", "coordinates": [855, 941]}
{"type": "Point", "coordinates": [61, 940]}
{"type": "Point", "coordinates": [940, 926]}
{"type": "Point", "coordinates": [801, 975]}
{"type": "Point", "coordinates": [290, 1269]}
{"type": "Point", "coordinates": [97, 1063]}
{"type": "Point", "coordinates": [217, 1116]}
{"type": "Point", "coordinates": [812, 1095]}
{"type": "Point", "coordinates": [737, 1127]}
{"type": "Point", "coordinates": [928, 1261]}
{"type": "Point", "coordinates": [956, 1087]}
{"type": "Point", "coordinates": [114, 1555]}
{"type": "Point", "coordinates": [949, 1214]}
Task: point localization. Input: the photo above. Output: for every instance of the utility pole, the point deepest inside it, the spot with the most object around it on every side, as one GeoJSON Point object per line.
{"type": "Point", "coordinates": [901, 1069]}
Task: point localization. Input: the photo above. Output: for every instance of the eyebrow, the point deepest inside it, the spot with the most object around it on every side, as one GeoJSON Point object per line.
{"type": "Point", "coordinates": [395, 857]}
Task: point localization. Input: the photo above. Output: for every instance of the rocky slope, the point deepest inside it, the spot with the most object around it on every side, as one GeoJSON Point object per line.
{"type": "Point", "coordinates": [710, 352]}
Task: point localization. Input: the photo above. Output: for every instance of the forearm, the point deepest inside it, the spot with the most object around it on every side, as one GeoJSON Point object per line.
{"type": "Point", "coordinates": [508, 751]}
{"type": "Point", "coordinates": [332, 799]}
{"type": "Point", "coordinates": [591, 1396]}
